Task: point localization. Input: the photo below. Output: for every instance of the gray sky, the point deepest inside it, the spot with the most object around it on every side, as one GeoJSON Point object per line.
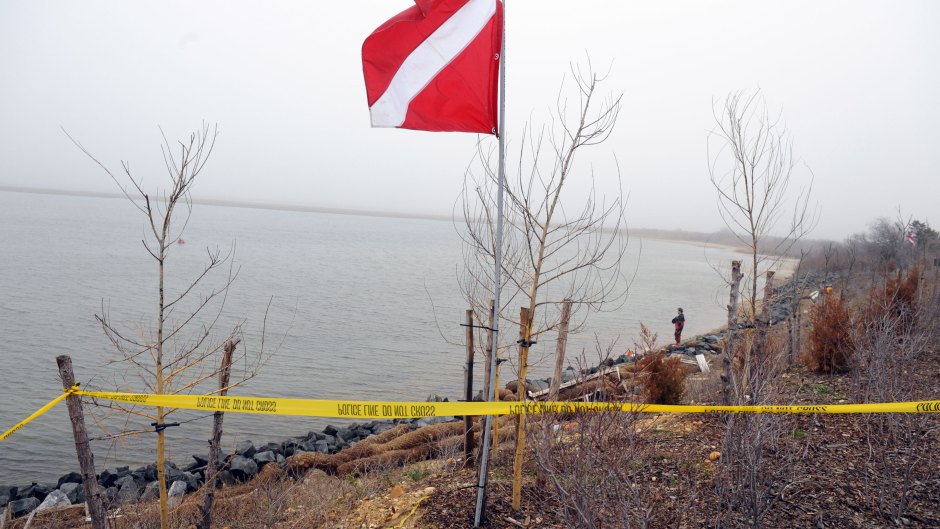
{"type": "Point", "coordinates": [857, 84]}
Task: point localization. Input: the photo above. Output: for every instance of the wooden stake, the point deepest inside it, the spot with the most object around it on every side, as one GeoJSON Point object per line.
{"type": "Point", "coordinates": [768, 295]}
{"type": "Point", "coordinates": [86, 460]}
{"type": "Point", "coordinates": [489, 351]}
{"type": "Point", "coordinates": [208, 497]}
{"type": "Point", "coordinates": [524, 336]}
{"type": "Point", "coordinates": [468, 393]}
{"type": "Point", "coordinates": [727, 377]}
{"type": "Point", "coordinates": [560, 350]}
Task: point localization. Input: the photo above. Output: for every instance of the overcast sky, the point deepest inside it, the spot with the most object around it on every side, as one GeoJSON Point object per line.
{"type": "Point", "coordinates": [857, 84]}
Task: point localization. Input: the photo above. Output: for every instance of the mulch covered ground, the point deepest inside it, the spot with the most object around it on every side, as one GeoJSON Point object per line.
{"type": "Point", "coordinates": [826, 472]}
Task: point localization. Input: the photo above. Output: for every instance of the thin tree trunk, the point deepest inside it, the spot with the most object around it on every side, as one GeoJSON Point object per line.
{"type": "Point", "coordinates": [525, 324]}
{"type": "Point", "coordinates": [86, 459]}
{"type": "Point", "coordinates": [468, 394]}
{"type": "Point", "coordinates": [490, 350]}
{"type": "Point", "coordinates": [727, 378]}
{"type": "Point", "coordinates": [212, 466]}
{"type": "Point", "coordinates": [560, 350]}
{"type": "Point", "coordinates": [158, 426]}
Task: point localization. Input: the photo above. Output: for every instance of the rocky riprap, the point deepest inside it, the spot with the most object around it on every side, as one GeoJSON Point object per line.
{"type": "Point", "coordinates": [123, 485]}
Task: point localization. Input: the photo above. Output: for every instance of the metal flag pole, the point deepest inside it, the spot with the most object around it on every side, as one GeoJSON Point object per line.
{"type": "Point", "coordinates": [497, 273]}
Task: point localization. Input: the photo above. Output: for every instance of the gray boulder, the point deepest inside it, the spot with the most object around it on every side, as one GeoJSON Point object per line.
{"type": "Point", "coordinates": [192, 482]}
{"type": "Point", "coordinates": [314, 436]}
{"type": "Point", "coordinates": [345, 434]}
{"type": "Point", "coordinates": [128, 491]}
{"type": "Point", "coordinates": [198, 463]}
{"type": "Point", "coordinates": [246, 449]}
{"type": "Point", "coordinates": [290, 446]}
{"type": "Point", "coordinates": [56, 498]}
{"type": "Point", "coordinates": [178, 488]}
{"type": "Point", "coordinates": [9, 492]}
{"type": "Point", "coordinates": [270, 447]}
{"type": "Point", "coordinates": [263, 458]}
{"type": "Point", "coordinates": [75, 492]}
{"type": "Point", "coordinates": [382, 427]}
{"type": "Point", "coordinates": [309, 446]}
{"type": "Point", "coordinates": [226, 479]}
{"type": "Point", "coordinates": [111, 475]}
{"type": "Point", "coordinates": [171, 474]}
{"type": "Point", "coordinates": [175, 494]}
{"type": "Point", "coordinates": [71, 477]}
{"type": "Point", "coordinates": [110, 495]}
{"type": "Point", "coordinates": [151, 491]}
{"type": "Point", "coordinates": [24, 506]}
{"type": "Point", "coordinates": [243, 468]}
{"type": "Point", "coordinates": [36, 490]}
{"type": "Point", "coordinates": [322, 446]}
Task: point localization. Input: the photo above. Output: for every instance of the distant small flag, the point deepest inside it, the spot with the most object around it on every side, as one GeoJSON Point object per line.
{"type": "Point", "coordinates": [912, 237]}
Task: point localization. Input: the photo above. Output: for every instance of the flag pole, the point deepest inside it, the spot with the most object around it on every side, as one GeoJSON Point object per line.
{"type": "Point", "coordinates": [497, 273]}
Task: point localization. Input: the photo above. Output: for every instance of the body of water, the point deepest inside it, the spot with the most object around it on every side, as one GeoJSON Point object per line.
{"type": "Point", "coordinates": [360, 308]}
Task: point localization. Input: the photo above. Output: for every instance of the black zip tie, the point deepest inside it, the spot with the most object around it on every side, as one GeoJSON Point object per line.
{"type": "Point", "coordinates": [477, 326]}
{"type": "Point", "coordinates": [160, 427]}
{"type": "Point", "coordinates": [526, 343]}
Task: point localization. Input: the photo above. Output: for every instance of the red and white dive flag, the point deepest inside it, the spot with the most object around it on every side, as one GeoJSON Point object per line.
{"type": "Point", "coordinates": [912, 238]}
{"type": "Point", "coordinates": [435, 66]}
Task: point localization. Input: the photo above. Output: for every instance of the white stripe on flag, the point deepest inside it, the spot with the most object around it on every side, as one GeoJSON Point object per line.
{"type": "Point", "coordinates": [428, 59]}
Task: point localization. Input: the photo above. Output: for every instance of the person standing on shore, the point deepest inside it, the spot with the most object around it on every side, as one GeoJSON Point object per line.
{"type": "Point", "coordinates": [679, 322]}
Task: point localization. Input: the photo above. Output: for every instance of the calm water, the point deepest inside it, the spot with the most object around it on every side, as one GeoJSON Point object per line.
{"type": "Point", "coordinates": [351, 313]}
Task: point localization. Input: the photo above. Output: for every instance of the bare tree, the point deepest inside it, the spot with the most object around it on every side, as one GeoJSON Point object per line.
{"type": "Point", "coordinates": [550, 253]}
{"type": "Point", "coordinates": [181, 352]}
{"type": "Point", "coordinates": [752, 170]}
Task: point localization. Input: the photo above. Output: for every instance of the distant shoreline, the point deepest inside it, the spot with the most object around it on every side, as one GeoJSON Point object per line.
{"type": "Point", "coordinates": [237, 204]}
{"type": "Point", "coordinates": [678, 236]}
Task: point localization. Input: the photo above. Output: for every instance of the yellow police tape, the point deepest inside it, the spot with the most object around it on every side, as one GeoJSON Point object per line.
{"type": "Point", "coordinates": [363, 409]}
{"type": "Point", "coordinates": [39, 412]}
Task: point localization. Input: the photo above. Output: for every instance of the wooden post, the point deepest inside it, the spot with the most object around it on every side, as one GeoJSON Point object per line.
{"type": "Point", "coordinates": [490, 350]}
{"type": "Point", "coordinates": [560, 350]}
{"type": "Point", "coordinates": [768, 296]}
{"type": "Point", "coordinates": [212, 466]}
{"type": "Point", "coordinates": [727, 377]}
{"type": "Point", "coordinates": [758, 353]}
{"type": "Point", "coordinates": [468, 394]}
{"type": "Point", "coordinates": [86, 460]}
{"type": "Point", "coordinates": [525, 324]}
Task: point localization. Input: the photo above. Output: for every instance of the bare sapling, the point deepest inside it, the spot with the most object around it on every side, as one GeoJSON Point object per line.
{"type": "Point", "coordinates": [552, 251]}
{"type": "Point", "coordinates": [180, 353]}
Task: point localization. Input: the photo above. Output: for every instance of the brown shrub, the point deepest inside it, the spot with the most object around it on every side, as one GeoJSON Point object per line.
{"type": "Point", "coordinates": [830, 336]}
{"type": "Point", "coordinates": [665, 383]}
{"type": "Point", "coordinates": [896, 303]}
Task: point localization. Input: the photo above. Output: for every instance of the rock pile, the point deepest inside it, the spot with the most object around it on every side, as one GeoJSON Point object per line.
{"type": "Point", "coordinates": [123, 485]}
